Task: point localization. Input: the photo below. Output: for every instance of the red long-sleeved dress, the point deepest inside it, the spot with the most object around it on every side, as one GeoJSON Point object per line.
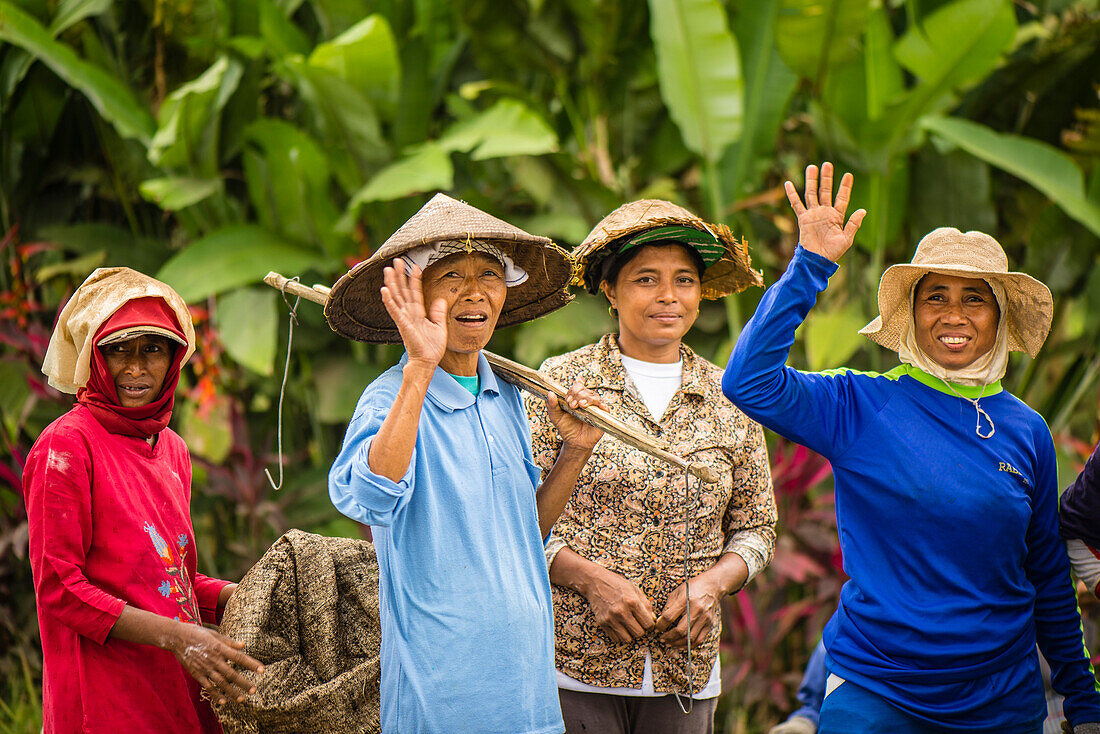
{"type": "Point", "coordinates": [110, 525]}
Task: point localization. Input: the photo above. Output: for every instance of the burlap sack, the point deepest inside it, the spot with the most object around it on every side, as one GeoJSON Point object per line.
{"type": "Point", "coordinates": [308, 610]}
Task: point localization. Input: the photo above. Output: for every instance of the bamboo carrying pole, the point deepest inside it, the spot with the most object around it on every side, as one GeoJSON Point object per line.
{"type": "Point", "coordinates": [538, 384]}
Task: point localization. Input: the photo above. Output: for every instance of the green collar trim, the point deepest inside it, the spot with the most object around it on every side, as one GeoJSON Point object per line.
{"type": "Point", "coordinates": [972, 392]}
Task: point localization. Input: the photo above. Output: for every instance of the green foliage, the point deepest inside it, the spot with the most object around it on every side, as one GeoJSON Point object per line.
{"type": "Point", "coordinates": [1041, 165]}
{"type": "Point", "coordinates": [110, 96]}
{"type": "Point", "coordinates": [211, 142]}
{"type": "Point", "coordinates": [699, 70]}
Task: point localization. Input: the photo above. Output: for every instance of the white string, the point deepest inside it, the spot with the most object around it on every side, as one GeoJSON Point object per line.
{"type": "Point", "coordinates": [687, 593]}
{"type": "Point", "coordinates": [981, 412]}
{"type": "Point", "coordinates": [282, 388]}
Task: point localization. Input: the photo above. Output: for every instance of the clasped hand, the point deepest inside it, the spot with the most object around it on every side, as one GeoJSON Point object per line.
{"type": "Point", "coordinates": [624, 613]}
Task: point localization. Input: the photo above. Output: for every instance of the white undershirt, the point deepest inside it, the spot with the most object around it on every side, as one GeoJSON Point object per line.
{"type": "Point", "coordinates": [656, 383]}
{"type": "Point", "coordinates": [711, 690]}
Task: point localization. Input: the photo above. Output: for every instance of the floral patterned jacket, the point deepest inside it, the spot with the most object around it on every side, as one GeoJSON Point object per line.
{"type": "Point", "coordinates": [628, 511]}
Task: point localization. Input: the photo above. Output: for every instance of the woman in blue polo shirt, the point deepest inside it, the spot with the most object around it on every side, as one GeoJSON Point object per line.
{"type": "Point", "coordinates": [946, 496]}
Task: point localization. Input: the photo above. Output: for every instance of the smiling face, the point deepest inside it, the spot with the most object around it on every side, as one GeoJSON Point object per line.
{"type": "Point", "coordinates": [472, 286]}
{"type": "Point", "coordinates": [138, 367]}
{"type": "Point", "coordinates": [657, 295]}
{"type": "Point", "coordinates": [956, 319]}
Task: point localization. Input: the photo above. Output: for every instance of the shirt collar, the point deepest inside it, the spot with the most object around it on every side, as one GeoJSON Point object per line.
{"type": "Point", "coordinates": [612, 374]}
{"type": "Point", "coordinates": [967, 391]}
{"type": "Point", "coordinates": [445, 392]}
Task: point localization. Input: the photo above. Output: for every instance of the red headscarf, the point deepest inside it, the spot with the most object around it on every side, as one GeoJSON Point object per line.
{"type": "Point", "coordinates": [100, 395]}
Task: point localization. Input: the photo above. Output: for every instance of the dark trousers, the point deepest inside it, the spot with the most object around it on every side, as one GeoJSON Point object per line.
{"type": "Point", "coordinates": [600, 713]}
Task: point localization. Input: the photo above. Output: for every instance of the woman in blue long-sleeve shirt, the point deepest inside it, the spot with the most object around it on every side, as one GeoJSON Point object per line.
{"type": "Point", "coordinates": [946, 494]}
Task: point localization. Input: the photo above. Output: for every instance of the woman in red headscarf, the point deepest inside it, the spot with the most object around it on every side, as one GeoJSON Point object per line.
{"type": "Point", "coordinates": [108, 490]}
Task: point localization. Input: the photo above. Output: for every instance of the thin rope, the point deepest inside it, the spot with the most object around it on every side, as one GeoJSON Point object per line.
{"type": "Point", "coordinates": [282, 388]}
{"type": "Point", "coordinates": [981, 412]}
{"type": "Point", "coordinates": [687, 593]}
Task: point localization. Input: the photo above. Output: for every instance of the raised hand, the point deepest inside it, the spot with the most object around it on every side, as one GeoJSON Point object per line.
{"type": "Point", "coordinates": [424, 332]}
{"type": "Point", "coordinates": [821, 227]}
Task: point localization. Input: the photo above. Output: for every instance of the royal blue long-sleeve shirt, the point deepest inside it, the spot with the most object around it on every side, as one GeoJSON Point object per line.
{"type": "Point", "coordinates": [950, 541]}
{"type": "Point", "coordinates": [464, 596]}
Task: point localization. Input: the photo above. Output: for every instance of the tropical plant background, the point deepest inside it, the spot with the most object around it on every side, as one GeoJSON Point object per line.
{"type": "Point", "coordinates": [207, 142]}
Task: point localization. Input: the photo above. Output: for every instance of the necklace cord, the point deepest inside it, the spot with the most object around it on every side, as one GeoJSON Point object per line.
{"type": "Point", "coordinates": [687, 595]}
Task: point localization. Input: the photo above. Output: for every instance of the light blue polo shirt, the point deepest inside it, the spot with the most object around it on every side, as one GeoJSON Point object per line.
{"type": "Point", "coordinates": [467, 626]}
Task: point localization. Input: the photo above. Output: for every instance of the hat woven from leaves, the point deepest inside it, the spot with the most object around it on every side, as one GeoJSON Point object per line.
{"type": "Point", "coordinates": [1028, 313]}
{"type": "Point", "coordinates": [731, 273]}
{"type": "Point", "coordinates": [308, 610]}
{"type": "Point", "coordinates": [355, 307]}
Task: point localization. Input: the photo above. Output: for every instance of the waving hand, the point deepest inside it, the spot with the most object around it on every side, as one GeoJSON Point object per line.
{"type": "Point", "coordinates": [424, 331]}
{"type": "Point", "coordinates": [821, 227]}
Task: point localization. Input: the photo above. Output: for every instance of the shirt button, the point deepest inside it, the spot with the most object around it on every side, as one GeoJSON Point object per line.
{"type": "Point", "coordinates": [490, 439]}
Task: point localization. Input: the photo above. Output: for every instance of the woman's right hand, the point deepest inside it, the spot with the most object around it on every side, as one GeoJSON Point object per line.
{"type": "Point", "coordinates": [423, 331]}
{"type": "Point", "coordinates": [212, 659]}
{"type": "Point", "coordinates": [619, 606]}
{"type": "Point", "coordinates": [821, 227]}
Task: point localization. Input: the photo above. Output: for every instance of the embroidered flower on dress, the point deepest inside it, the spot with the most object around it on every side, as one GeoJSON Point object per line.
{"type": "Point", "coordinates": [178, 585]}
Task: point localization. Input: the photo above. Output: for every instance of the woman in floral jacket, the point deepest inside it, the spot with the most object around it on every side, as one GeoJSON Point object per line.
{"type": "Point", "coordinates": [617, 554]}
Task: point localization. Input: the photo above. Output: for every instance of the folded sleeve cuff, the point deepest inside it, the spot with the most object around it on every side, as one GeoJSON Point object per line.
{"type": "Point", "coordinates": [98, 624]}
{"type": "Point", "coordinates": [754, 549]}
{"type": "Point", "coordinates": [207, 591]}
{"type": "Point", "coordinates": [363, 495]}
{"type": "Point", "coordinates": [552, 547]}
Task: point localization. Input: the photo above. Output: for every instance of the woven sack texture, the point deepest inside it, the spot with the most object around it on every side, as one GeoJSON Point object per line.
{"type": "Point", "coordinates": [308, 610]}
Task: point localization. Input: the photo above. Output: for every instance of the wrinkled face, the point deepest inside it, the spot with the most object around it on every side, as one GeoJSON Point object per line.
{"type": "Point", "coordinates": [956, 319]}
{"type": "Point", "coordinates": [657, 295]}
{"type": "Point", "coordinates": [472, 286]}
{"type": "Point", "coordinates": [138, 367]}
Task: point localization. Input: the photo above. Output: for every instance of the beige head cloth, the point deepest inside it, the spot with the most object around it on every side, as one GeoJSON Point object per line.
{"type": "Point", "coordinates": [355, 309]}
{"type": "Point", "coordinates": [69, 356]}
{"type": "Point", "coordinates": [1029, 306]}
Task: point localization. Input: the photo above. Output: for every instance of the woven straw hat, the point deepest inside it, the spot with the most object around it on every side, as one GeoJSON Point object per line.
{"type": "Point", "coordinates": [731, 273]}
{"type": "Point", "coordinates": [972, 254]}
{"type": "Point", "coordinates": [355, 307]}
{"type": "Point", "coordinates": [308, 610]}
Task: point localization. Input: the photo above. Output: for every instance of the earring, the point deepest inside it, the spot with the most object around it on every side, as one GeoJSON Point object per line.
{"type": "Point", "coordinates": [612, 312]}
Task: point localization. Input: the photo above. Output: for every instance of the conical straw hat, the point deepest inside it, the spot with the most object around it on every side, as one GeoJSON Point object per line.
{"type": "Point", "coordinates": [732, 273]}
{"type": "Point", "coordinates": [355, 307]}
{"type": "Point", "coordinates": [946, 250]}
